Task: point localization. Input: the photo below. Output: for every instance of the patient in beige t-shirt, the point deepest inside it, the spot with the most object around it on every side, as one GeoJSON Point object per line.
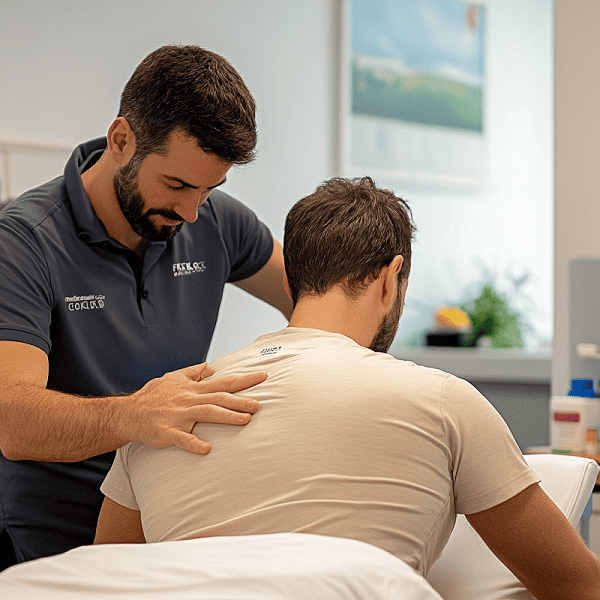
{"type": "Point", "coordinates": [349, 442]}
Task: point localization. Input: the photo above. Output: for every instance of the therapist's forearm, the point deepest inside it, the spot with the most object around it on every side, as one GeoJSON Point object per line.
{"type": "Point", "coordinates": [45, 425]}
{"type": "Point", "coordinates": [40, 424]}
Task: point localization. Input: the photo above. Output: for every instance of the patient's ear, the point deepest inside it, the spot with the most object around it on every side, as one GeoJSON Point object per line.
{"type": "Point", "coordinates": [286, 285]}
{"type": "Point", "coordinates": [389, 281]}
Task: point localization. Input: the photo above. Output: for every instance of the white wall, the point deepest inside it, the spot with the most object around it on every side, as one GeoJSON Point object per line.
{"type": "Point", "coordinates": [577, 101]}
{"type": "Point", "coordinates": [506, 225]}
{"type": "Point", "coordinates": [64, 63]}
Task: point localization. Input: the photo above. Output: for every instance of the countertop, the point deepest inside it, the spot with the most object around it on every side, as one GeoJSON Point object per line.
{"type": "Point", "coordinates": [483, 364]}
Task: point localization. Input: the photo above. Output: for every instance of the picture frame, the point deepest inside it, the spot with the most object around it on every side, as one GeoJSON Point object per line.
{"type": "Point", "coordinates": [25, 163]}
{"type": "Point", "coordinates": [412, 91]}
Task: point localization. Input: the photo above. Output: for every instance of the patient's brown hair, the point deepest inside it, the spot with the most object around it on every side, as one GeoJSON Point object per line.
{"type": "Point", "coordinates": [345, 232]}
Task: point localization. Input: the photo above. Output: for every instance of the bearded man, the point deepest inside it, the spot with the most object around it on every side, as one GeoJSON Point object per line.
{"type": "Point", "coordinates": [111, 279]}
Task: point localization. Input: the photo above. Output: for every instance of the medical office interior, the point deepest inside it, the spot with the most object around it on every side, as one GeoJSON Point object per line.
{"type": "Point", "coordinates": [63, 64]}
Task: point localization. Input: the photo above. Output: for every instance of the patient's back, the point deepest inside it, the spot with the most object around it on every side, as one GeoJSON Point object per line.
{"type": "Point", "coordinates": [347, 443]}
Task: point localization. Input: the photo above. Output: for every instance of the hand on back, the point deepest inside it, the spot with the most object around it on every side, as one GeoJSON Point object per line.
{"type": "Point", "coordinates": [164, 411]}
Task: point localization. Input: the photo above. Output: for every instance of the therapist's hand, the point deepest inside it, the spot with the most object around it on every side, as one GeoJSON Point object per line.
{"type": "Point", "coordinates": [164, 412]}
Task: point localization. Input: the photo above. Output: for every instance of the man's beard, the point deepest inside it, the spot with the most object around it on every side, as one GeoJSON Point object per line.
{"type": "Point", "coordinates": [388, 328]}
{"type": "Point", "coordinates": [132, 204]}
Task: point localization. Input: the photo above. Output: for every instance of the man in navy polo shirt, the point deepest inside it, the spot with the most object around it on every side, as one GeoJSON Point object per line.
{"type": "Point", "coordinates": [111, 278]}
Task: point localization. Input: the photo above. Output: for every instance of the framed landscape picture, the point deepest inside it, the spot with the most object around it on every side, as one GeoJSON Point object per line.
{"type": "Point", "coordinates": [412, 91]}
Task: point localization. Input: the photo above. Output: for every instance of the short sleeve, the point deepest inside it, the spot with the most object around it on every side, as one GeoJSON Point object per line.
{"type": "Point", "coordinates": [117, 485]}
{"type": "Point", "coordinates": [487, 466]}
{"type": "Point", "coordinates": [248, 240]}
{"type": "Point", "coordinates": [25, 290]}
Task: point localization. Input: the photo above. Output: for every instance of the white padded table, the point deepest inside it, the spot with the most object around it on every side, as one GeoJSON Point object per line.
{"type": "Point", "coordinates": [279, 566]}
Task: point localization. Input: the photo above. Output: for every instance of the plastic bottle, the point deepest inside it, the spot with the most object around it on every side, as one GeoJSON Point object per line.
{"type": "Point", "coordinates": [571, 416]}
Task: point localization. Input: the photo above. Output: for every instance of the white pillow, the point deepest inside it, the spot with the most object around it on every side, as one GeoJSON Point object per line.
{"type": "Point", "coordinates": [291, 566]}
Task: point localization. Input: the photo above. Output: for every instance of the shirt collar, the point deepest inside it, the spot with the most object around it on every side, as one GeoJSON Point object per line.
{"type": "Point", "coordinates": [89, 227]}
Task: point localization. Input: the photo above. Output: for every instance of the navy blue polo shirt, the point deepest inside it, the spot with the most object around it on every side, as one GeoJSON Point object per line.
{"type": "Point", "coordinates": [109, 322]}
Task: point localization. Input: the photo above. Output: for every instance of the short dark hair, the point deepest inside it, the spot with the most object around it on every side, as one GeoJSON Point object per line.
{"type": "Point", "coordinates": [345, 232]}
{"type": "Point", "coordinates": [196, 91]}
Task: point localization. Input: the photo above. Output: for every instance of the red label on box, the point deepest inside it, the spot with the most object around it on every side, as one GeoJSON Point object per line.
{"type": "Point", "coordinates": [567, 417]}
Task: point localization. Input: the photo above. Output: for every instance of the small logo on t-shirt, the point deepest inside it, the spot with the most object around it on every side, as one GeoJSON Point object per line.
{"type": "Point", "coordinates": [189, 268]}
{"type": "Point", "coordinates": [91, 302]}
{"type": "Point", "coordinates": [269, 351]}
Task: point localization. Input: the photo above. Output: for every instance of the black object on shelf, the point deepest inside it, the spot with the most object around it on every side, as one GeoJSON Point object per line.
{"type": "Point", "coordinates": [445, 339]}
{"type": "Point", "coordinates": [453, 339]}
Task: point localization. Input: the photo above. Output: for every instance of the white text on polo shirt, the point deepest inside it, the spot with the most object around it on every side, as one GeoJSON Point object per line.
{"type": "Point", "coordinates": [91, 302]}
{"type": "Point", "coordinates": [188, 268]}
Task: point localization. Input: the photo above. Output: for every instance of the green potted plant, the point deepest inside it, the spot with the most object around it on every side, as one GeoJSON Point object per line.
{"type": "Point", "coordinates": [492, 316]}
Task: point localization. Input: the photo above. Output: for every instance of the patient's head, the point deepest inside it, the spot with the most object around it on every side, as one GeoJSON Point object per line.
{"type": "Point", "coordinates": [345, 233]}
{"type": "Point", "coordinates": [195, 91]}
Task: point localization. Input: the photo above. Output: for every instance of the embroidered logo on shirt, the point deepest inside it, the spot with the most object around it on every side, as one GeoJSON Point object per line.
{"type": "Point", "coordinates": [269, 351]}
{"type": "Point", "coordinates": [188, 268]}
{"type": "Point", "coordinates": [91, 302]}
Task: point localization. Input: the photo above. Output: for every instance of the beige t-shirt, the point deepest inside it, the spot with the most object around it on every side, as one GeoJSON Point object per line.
{"type": "Point", "coordinates": [347, 443]}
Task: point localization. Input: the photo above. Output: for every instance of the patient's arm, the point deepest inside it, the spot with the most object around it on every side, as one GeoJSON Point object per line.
{"type": "Point", "coordinates": [118, 525]}
{"type": "Point", "coordinates": [533, 538]}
